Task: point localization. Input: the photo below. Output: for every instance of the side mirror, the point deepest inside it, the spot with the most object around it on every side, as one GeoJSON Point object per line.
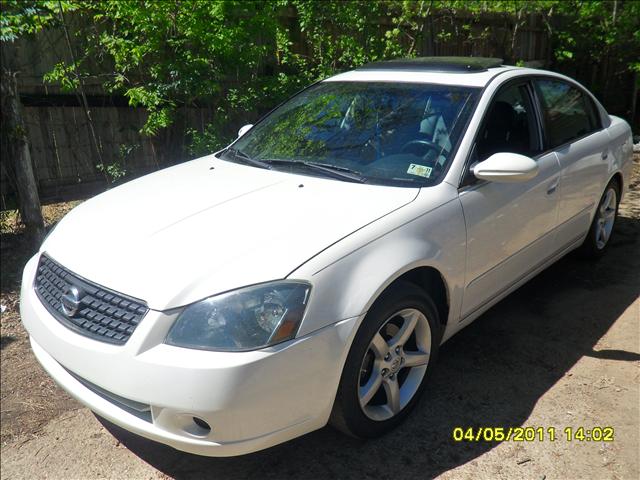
{"type": "Point", "coordinates": [506, 168]}
{"type": "Point", "coordinates": [244, 129]}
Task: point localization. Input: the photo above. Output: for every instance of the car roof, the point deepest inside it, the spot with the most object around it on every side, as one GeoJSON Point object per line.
{"type": "Point", "coordinates": [462, 71]}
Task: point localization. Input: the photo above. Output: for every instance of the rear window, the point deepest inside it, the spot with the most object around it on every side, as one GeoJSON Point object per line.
{"type": "Point", "coordinates": [568, 113]}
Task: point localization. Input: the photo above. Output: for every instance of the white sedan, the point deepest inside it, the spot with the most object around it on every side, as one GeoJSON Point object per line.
{"type": "Point", "coordinates": [309, 272]}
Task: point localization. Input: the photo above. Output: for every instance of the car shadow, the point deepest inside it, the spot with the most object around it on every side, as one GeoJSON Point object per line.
{"type": "Point", "coordinates": [491, 374]}
{"type": "Point", "coordinates": [6, 340]}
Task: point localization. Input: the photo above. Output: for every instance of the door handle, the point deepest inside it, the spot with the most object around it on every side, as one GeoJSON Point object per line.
{"type": "Point", "coordinates": [605, 155]}
{"type": "Point", "coordinates": [553, 187]}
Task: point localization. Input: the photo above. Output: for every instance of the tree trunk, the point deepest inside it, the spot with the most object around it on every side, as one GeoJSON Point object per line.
{"type": "Point", "coordinates": [19, 155]}
{"type": "Point", "coordinates": [634, 100]}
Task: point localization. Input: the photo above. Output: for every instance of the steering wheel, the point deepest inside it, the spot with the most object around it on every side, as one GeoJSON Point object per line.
{"type": "Point", "coordinates": [422, 144]}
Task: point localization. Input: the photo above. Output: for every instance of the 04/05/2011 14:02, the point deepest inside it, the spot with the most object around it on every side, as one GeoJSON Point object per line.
{"type": "Point", "coordinates": [532, 434]}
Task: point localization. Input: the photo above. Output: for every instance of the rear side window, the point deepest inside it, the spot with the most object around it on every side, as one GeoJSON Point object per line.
{"type": "Point", "coordinates": [568, 113]}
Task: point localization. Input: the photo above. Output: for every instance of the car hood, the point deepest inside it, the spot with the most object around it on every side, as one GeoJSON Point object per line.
{"type": "Point", "coordinates": [208, 226]}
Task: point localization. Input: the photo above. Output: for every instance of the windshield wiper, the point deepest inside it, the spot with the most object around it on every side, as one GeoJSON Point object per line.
{"type": "Point", "coordinates": [239, 154]}
{"type": "Point", "coordinates": [328, 169]}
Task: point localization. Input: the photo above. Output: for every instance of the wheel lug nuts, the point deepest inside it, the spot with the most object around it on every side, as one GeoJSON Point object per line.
{"type": "Point", "coordinates": [398, 349]}
{"type": "Point", "coordinates": [384, 372]}
{"type": "Point", "coordinates": [391, 377]}
{"type": "Point", "coordinates": [387, 357]}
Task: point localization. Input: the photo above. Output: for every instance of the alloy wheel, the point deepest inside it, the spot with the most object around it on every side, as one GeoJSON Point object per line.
{"type": "Point", "coordinates": [395, 364]}
{"type": "Point", "coordinates": [606, 217]}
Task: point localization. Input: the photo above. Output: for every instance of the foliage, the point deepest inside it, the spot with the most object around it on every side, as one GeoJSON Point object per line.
{"type": "Point", "coordinates": [113, 172]}
{"type": "Point", "coordinates": [24, 17]}
{"type": "Point", "coordinates": [117, 170]}
{"type": "Point", "coordinates": [213, 136]}
{"type": "Point", "coordinates": [9, 220]}
{"type": "Point", "coordinates": [602, 33]}
{"type": "Point", "coordinates": [65, 74]}
{"type": "Point", "coordinates": [240, 58]}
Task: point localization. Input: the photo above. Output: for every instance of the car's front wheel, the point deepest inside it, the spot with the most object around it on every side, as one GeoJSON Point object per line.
{"type": "Point", "coordinates": [387, 365]}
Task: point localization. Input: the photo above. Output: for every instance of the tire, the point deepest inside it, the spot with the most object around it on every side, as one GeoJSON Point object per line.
{"type": "Point", "coordinates": [363, 410]}
{"type": "Point", "coordinates": [602, 226]}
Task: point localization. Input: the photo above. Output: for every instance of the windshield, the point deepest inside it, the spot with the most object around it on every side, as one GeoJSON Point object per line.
{"type": "Point", "coordinates": [381, 133]}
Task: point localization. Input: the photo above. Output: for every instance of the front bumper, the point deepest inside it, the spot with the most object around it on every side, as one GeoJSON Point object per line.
{"type": "Point", "coordinates": [251, 400]}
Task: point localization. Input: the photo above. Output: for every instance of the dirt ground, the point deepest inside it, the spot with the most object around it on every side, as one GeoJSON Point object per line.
{"type": "Point", "coordinates": [563, 351]}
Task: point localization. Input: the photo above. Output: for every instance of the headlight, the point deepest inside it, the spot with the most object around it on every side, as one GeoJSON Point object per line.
{"type": "Point", "coordinates": [245, 319]}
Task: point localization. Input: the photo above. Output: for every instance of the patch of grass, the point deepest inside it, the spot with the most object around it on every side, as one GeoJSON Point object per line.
{"type": "Point", "coordinates": [11, 223]}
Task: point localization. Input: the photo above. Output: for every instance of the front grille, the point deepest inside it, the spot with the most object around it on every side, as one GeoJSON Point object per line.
{"type": "Point", "coordinates": [89, 309]}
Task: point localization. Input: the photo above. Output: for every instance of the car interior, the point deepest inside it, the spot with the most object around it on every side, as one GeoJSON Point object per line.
{"type": "Point", "coordinates": [509, 126]}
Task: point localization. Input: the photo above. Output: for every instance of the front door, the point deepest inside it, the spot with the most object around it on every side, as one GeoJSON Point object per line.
{"type": "Point", "coordinates": [510, 226]}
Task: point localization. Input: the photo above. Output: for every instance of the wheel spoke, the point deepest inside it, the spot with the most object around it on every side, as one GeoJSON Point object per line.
{"type": "Point", "coordinates": [409, 325]}
{"type": "Point", "coordinates": [608, 198]}
{"type": "Point", "coordinates": [368, 390]}
{"type": "Point", "coordinates": [601, 236]}
{"type": "Point", "coordinates": [379, 346]}
{"type": "Point", "coordinates": [392, 389]}
{"type": "Point", "coordinates": [415, 359]}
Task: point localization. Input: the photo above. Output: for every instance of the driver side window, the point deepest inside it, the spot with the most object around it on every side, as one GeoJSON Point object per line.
{"type": "Point", "coordinates": [509, 125]}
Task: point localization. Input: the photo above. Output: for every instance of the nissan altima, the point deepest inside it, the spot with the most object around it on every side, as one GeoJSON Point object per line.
{"type": "Point", "coordinates": [308, 273]}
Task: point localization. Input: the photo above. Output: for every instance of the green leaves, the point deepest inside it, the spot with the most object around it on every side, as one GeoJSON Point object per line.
{"type": "Point", "coordinates": [167, 54]}
{"type": "Point", "coordinates": [243, 57]}
{"type": "Point", "coordinates": [65, 75]}
{"type": "Point", "coordinates": [23, 17]}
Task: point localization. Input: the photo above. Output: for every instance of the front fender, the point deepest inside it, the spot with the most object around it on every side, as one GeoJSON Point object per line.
{"type": "Point", "coordinates": [348, 284]}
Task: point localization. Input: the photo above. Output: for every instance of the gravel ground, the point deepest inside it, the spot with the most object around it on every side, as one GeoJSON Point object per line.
{"type": "Point", "coordinates": [563, 351]}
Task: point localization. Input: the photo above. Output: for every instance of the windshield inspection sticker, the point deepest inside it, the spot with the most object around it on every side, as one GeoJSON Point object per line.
{"type": "Point", "coordinates": [419, 170]}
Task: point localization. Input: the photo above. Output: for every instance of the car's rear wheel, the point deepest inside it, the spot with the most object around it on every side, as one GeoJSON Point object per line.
{"type": "Point", "coordinates": [387, 365]}
{"type": "Point", "coordinates": [604, 220]}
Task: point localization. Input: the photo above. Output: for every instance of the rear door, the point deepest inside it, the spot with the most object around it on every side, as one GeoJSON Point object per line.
{"type": "Point", "coordinates": [510, 226]}
{"type": "Point", "coordinates": [573, 129]}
